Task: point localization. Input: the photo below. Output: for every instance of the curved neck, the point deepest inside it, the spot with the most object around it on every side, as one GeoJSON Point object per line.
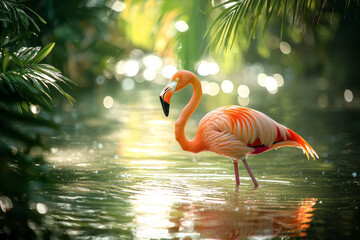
{"type": "Point", "coordinates": [196, 144]}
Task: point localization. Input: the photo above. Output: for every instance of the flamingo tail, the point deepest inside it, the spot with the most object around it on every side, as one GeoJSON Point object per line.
{"type": "Point", "coordinates": [308, 150]}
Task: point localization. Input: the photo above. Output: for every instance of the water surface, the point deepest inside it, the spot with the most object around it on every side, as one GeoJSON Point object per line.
{"type": "Point", "coordinates": [120, 174]}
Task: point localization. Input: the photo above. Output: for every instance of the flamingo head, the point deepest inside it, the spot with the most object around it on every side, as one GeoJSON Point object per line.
{"type": "Point", "coordinates": [176, 83]}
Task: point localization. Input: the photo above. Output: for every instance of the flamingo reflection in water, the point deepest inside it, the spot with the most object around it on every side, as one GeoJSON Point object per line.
{"type": "Point", "coordinates": [231, 131]}
{"type": "Point", "coordinates": [245, 221]}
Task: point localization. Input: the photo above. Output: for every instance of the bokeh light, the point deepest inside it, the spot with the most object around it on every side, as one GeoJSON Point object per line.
{"type": "Point", "coordinates": [274, 91]}
{"type": "Point", "coordinates": [348, 95]}
{"type": "Point", "coordinates": [153, 61]}
{"type": "Point", "coordinates": [181, 26]}
{"type": "Point", "coordinates": [131, 68]}
{"type": "Point", "coordinates": [128, 84]}
{"type": "Point", "coordinates": [202, 69]}
{"type": "Point", "coordinates": [118, 6]}
{"type": "Point", "coordinates": [41, 208]}
{"type": "Point", "coordinates": [203, 86]}
{"type": "Point", "coordinates": [244, 101]}
{"type": "Point", "coordinates": [205, 68]}
{"type": "Point", "coordinates": [271, 84]}
{"type": "Point", "coordinates": [5, 204]}
{"type": "Point", "coordinates": [119, 67]}
{"type": "Point", "coordinates": [213, 68]}
{"type": "Point", "coordinates": [285, 47]}
{"type": "Point", "coordinates": [100, 80]}
{"type": "Point", "coordinates": [212, 88]}
{"type": "Point", "coordinates": [279, 79]}
{"type": "Point", "coordinates": [108, 102]}
{"type": "Point", "coordinates": [261, 79]}
{"type": "Point", "coordinates": [243, 91]}
{"type": "Point", "coordinates": [168, 71]}
{"type": "Point", "coordinates": [35, 109]}
{"type": "Point", "coordinates": [227, 86]}
{"type": "Point", "coordinates": [149, 74]}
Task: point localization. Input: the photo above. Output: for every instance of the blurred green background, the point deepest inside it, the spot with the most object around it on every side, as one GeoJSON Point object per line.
{"type": "Point", "coordinates": [297, 61]}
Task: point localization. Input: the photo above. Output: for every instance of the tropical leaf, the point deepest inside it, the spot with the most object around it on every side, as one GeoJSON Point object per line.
{"type": "Point", "coordinates": [25, 85]}
{"type": "Point", "coordinates": [233, 15]}
{"type": "Point", "coordinates": [43, 53]}
{"type": "Point", "coordinates": [15, 14]}
{"type": "Point", "coordinates": [37, 15]}
{"type": "Point", "coordinates": [29, 80]}
{"type": "Point", "coordinates": [19, 38]}
{"type": "Point", "coordinates": [5, 60]}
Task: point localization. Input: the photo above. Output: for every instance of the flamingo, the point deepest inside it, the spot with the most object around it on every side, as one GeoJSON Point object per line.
{"type": "Point", "coordinates": [231, 131]}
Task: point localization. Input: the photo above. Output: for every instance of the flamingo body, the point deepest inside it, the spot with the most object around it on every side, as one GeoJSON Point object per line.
{"type": "Point", "coordinates": [235, 132]}
{"type": "Point", "coordinates": [231, 131]}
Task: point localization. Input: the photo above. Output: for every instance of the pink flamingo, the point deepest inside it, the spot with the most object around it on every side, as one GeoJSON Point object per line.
{"type": "Point", "coordinates": [231, 131]}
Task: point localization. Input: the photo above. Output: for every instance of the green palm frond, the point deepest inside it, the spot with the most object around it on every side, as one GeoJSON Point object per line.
{"type": "Point", "coordinates": [25, 81]}
{"type": "Point", "coordinates": [238, 15]}
{"type": "Point", "coordinates": [15, 17]}
{"type": "Point", "coordinates": [25, 85]}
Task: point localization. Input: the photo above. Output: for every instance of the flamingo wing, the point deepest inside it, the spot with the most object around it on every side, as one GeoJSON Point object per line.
{"type": "Point", "coordinates": [226, 144]}
{"type": "Point", "coordinates": [236, 131]}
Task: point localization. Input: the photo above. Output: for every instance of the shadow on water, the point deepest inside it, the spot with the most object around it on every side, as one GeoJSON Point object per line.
{"type": "Point", "coordinates": [121, 175]}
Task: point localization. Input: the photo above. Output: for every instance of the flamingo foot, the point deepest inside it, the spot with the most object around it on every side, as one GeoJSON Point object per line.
{"type": "Point", "coordinates": [237, 179]}
{"type": "Point", "coordinates": [250, 173]}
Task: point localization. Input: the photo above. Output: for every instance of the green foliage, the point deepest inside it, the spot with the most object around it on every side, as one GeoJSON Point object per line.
{"type": "Point", "coordinates": [25, 81]}
{"type": "Point", "coordinates": [86, 36]}
{"type": "Point", "coordinates": [191, 45]}
{"type": "Point", "coordinates": [230, 29]}
{"type": "Point", "coordinates": [25, 85]}
{"type": "Point", "coordinates": [150, 26]}
{"type": "Point", "coordinates": [15, 18]}
{"type": "Point", "coordinates": [238, 16]}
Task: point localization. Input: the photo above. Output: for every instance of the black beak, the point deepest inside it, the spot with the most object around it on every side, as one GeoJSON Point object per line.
{"type": "Point", "coordinates": [165, 106]}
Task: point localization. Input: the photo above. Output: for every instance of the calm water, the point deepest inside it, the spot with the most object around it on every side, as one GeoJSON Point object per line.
{"type": "Point", "coordinates": [120, 174]}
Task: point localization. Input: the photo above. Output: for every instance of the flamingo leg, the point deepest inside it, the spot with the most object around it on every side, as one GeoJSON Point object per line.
{"type": "Point", "coordinates": [250, 173]}
{"type": "Point", "coordinates": [237, 179]}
